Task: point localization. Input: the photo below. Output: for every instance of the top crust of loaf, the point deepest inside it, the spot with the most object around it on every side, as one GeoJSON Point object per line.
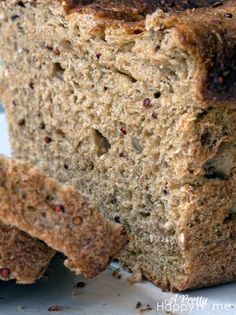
{"type": "Point", "coordinates": [142, 7]}
{"type": "Point", "coordinates": [205, 29]}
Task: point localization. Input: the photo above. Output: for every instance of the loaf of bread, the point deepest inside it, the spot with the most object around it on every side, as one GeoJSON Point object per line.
{"type": "Point", "coordinates": [133, 103]}
{"type": "Point", "coordinates": [59, 216]}
{"type": "Point", "coordinates": [22, 258]}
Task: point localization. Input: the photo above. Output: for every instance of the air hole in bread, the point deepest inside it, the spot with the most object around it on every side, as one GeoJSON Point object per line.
{"type": "Point", "coordinates": [137, 146]}
{"type": "Point", "coordinates": [211, 172]}
{"type": "Point", "coordinates": [21, 4]}
{"type": "Point", "coordinates": [66, 45]}
{"type": "Point", "coordinates": [231, 215]}
{"type": "Point", "coordinates": [60, 132]}
{"type": "Point", "coordinates": [102, 144]}
{"type": "Point", "coordinates": [58, 71]}
{"type": "Point", "coordinates": [222, 165]}
{"type": "Point", "coordinates": [145, 214]}
{"type": "Point", "coordinates": [128, 75]}
{"type": "Point", "coordinates": [137, 32]}
{"type": "Point", "coordinates": [157, 94]}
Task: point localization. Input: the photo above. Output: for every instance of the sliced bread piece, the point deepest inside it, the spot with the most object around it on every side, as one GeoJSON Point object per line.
{"type": "Point", "coordinates": [22, 257]}
{"type": "Point", "coordinates": [137, 112]}
{"type": "Point", "coordinates": [59, 216]}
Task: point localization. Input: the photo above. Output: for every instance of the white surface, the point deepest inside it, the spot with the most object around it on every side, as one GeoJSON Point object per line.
{"type": "Point", "coordinates": [105, 295]}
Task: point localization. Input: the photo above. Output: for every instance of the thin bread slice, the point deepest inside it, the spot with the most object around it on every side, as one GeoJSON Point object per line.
{"type": "Point", "coordinates": [22, 257]}
{"type": "Point", "coordinates": [59, 216]}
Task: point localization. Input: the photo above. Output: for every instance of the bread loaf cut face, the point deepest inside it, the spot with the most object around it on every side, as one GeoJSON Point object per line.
{"type": "Point", "coordinates": [133, 103]}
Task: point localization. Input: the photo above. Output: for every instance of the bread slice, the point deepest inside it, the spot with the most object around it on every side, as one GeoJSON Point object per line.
{"type": "Point", "coordinates": [59, 216]}
{"type": "Point", "coordinates": [136, 109]}
{"type": "Point", "coordinates": [22, 258]}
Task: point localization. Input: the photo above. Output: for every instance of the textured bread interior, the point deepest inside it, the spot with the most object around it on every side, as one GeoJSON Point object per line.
{"type": "Point", "coordinates": [22, 258]}
{"type": "Point", "coordinates": [113, 110]}
{"type": "Point", "coordinates": [59, 216]}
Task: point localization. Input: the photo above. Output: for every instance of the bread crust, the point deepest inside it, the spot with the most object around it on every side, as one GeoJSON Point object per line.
{"type": "Point", "coordinates": [142, 7]}
{"type": "Point", "coordinates": [208, 34]}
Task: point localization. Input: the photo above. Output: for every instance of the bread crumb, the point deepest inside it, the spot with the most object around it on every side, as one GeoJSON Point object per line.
{"type": "Point", "coordinates": [116, 273]}
{"type": "Point", "coordinates": [136, 277]}
{"type": "Point", "coordinates": [76, 293]}
{"type": "Point", "coordinates": [147, 308]}
{"type": "Point", "coordinates": [138, 304]}
{"type": "Point", "coordinates": [54, 308]}
{"type": "Point", "coordinates": [80, 284]}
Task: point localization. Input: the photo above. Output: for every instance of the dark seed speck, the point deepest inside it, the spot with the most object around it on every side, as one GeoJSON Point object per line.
{"type": "Point", "coordinates": [47, 140]}
{"type": "Point", "coordinates": [5, 273]}
{"type": "Point", "coordinates": [21, 122]}
{"type": "Point", "coordinates": [59, 209]}
{"type": "Point", "coordinates": [31, 85]}
{"type": "Point", "coordinates": [154, 115]}
{"type": "Point", "coordinates": [56, 52]}
{"type": "Point", "coordinates": [147, 102]}
{"type": "Point", "coordinates": [123, 130]}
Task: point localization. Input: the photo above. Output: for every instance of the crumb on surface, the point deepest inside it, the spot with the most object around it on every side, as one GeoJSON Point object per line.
{"type": "Point", "coordinates": [80, 284]}
{"type": "Point", "coordinates": [116, 273]}
{"type": "Point", "coordinates": [138, 304]}
{"type": "Point", "coordinates": [54, 308]}
{"type": "Point", "coordinates": [146, 308]}
{"type": "Point", "coordinates": [135, 277]}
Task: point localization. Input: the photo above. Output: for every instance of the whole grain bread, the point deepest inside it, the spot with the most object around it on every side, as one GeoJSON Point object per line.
{"type": "Point", "coordinates": [133, 103]}
{"type": "Point", "coordinates": [22, 258]}
{"type": "Point", "coordinates": [59, 216]}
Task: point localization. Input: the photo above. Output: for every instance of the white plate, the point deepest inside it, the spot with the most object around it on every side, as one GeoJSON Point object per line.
{"type": "Point", "coordinates": [105, 295]}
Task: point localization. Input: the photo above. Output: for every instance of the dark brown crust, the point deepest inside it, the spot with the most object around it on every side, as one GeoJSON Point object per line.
{"type": "Point", "coordinates": [210, 37]}
{"type": "Point", "coordinates": [142, 7]}
{"type": "Point", "coordinates": [59, 216]}
{"type": "Point", "coordinates": [208, 34]}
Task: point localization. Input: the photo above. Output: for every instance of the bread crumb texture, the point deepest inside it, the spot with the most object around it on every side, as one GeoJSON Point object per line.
{"type": "Point", "coordinates": [22, 258]}
{"type": "Point", "coordinates": [136, 109]}
{"type": "Point", "coordinates": [59, 216]}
